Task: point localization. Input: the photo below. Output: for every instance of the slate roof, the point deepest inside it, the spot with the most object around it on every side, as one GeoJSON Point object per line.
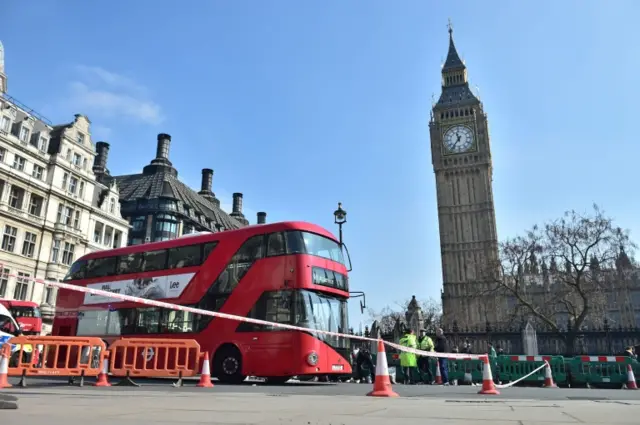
{"type": "Point", "coordinates": [164, 183]}
{"type": "Point", "coordinates": [457, 96]}
{"type": "Point", "coordinates": [453, 61]}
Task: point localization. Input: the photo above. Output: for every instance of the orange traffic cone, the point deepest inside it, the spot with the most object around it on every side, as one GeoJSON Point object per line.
{"type": "Point", "coordinates": [382, 383]}
{"type": "Point", "coordinates": [488, 387]}
{"type": "Point", "coordinates": [548, 379]}
{"type": "Point", "coordinates": [5, 352]}
{"type": "Point", "coordinates": [438, 375]}
{"type": "Point", "coordinates": [205, 376]}
{"type": "Point", "coordinates": [631, 379]}
{"type": "Point", "coordinates": [103, 376]}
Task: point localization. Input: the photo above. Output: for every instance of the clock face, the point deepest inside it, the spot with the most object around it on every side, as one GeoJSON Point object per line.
{"type": "Point", "coordinates": [458, 139]}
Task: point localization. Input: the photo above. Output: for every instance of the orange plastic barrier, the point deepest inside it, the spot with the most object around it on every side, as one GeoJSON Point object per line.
{"type": "Point", "coordinates": [56, 356]}
{"type": "Point", "coordinates": [154, 358]}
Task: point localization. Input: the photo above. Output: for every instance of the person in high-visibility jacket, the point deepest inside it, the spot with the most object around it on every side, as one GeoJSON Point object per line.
{"type": "Point", "coordinates": [425, 343]}
{"type": "Point", "coordinates": [408, 361]}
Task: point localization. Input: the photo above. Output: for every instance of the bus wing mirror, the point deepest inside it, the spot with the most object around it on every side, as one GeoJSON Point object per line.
{"type": "Point", "coordinates": [362, 307]}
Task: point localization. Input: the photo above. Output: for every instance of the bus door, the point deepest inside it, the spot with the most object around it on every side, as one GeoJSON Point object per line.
{"type": "Point", "coordinates": [271, 348]}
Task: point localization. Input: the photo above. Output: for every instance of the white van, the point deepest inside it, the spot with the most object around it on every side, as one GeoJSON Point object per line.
{"type": "Point", "coordinates": [8, 328]}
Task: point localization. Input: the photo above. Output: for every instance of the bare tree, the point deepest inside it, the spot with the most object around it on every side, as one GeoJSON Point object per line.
{"type": "Point", "coordinates": [390, 315]}
{"type": "Point", "coordinates": [559, 274]}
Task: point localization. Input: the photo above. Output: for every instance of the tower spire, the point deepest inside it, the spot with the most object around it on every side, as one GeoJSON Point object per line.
{"type": "Point", "coordinates": [453, 62]}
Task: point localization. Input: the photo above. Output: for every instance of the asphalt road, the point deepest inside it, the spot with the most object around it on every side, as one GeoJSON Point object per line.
{"type": "Point", "coordinates": [60, 386]}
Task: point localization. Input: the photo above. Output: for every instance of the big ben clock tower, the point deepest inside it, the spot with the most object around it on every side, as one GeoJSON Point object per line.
{"type": "Point", "coordinates": [461, 157]}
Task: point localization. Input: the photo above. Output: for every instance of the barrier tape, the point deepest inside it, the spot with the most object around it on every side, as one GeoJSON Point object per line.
{"type": "Point", "coordinates": [512, 383]}
{"type": "Point", "coordinates": [193, 310]}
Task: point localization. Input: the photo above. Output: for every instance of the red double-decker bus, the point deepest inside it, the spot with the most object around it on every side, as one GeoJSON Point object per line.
{"type": "Point", "coordinates": [291, 272]}
{"type": "Point", "coordinates": [27, 314]}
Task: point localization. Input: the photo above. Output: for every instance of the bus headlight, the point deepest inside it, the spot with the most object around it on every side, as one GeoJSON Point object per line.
{"type": "Point", "coordinates": [312, 358]}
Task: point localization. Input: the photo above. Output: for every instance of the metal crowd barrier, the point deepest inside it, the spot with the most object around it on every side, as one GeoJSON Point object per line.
{"type": "Point", "coordinates": [86, 357]}
{"type": "Point", "coordinates": [154, 358]}
{"type": "Point", "coordinates": [56, 356]}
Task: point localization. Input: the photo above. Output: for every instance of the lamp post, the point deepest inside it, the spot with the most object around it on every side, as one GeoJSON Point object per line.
{"type": "Point", "coordinates": [340, 218]}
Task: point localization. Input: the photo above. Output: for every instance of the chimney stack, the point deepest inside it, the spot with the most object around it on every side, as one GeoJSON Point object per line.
{"type": "Point", "coordinates": [237, 203]}
{"type": "Point", "coordinates": [100, 161]}
{"type": "Point", "coordinates": [262, 217]}
{"type": "Point", "coordinates": [207, 180]}
{"type": "Point", "coordinates": [162, 151]}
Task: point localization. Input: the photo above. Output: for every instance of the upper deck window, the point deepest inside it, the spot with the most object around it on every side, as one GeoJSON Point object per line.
{"type": "Point", "coordinates": [172, 258]}
{"type": "Point", "coordinates": [312, 244]}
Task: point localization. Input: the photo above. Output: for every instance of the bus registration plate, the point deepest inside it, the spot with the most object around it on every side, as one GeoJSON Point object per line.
{"type": "Point", "coordinates": [337, 367]}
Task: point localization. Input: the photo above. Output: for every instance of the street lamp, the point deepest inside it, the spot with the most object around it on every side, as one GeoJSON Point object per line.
{"type": "Point", "coordinates": [340, 216]}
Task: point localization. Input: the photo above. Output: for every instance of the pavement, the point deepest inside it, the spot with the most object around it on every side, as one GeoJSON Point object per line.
{"type": "Point", "coordinates": [157, 402]}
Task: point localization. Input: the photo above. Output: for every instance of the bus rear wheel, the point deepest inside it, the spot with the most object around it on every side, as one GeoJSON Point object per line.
{"type": "Point", "coordinates": [228, 365]}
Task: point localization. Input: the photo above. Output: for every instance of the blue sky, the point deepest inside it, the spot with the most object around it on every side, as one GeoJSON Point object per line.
{"type": "Point", "coordinates": [300, 105]}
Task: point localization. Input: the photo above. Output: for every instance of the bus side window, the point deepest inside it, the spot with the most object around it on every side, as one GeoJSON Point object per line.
{"type": "Point", "coordinates": [131, 263]}
{"type": "Point", "coordinates": [101, 267]}
{"type": "Point", "coordinates": [154, 260]}
{"type": "Point", "coordinates": [206, 250]}
{"type": "Point", "coordinates": [275, 244]}
{"type": "Point", "coordinates": [185, 256]}
{"type": "Point", "coordinates": [295, 242]}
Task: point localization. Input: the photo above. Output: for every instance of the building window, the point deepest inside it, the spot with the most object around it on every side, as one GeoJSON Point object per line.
{"type": "Point", "coordinates": [22, 286]}
{"type": "Point", "coordinates": [42, 144]}
{"type": "Point", "coordinates": [48, 295]}
{"type": "Point", "coordinates": [18, 163]}
{"type": "Point", "coordinates": [67, 253]}
{"type": "Point", "coordinates": [55, 251]}
{"type": "Point", "coordinates": [73, 185]}
{"type": "Point", "coordinates": [29, 244]}
{"type": "Point", "coordinates": [76, 219]}
{"type": "Point", "coordinates": [65, 179]}
{"type": "Point", "coordinates": [81, 189]}
{"type": "Point", "coordinates": [166, 227]}
{"type": "Point", "coordinates": [38, 171]}
{"type": "Point", "coordinates": [35, 205]}
{"type": "Point", "coordinates": [16, 197]}
{"type": "Point", "coordinates": [24, 134]}
{"type": "Point", "coordinates": [80, 139]}
{"type": "Point", "coordinates": [97, 232]}
{"type": "Point", "coordinates": [6, 123]}
{"type": "Point", "coordinates": [65, 215]}
{"type": "Point", "coordinates": [117, 237]}
{"type": "Point", "coordinates": [108, 235]}
{"type": "Point", "coordinates": [4, 282]}
{"type": "Point", "coordinates": [137, 224]}
{"type": "Point", "coordinates": [112, 205]}
{"type": "Point", "coordinates": [68, 155]}
{"type": "Point", "coordinates": [9, 238]}
{"type": "Point", "coordinates": [3, 153]}
{"type": "Point", "coordinates": [77, 160]}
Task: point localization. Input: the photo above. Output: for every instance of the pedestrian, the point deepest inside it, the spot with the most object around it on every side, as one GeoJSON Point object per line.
{"type": "Point", "coordinates": [442, 346]}
{"type": "Point", "coordinates": [425, 343]}
{"type": "Point", "coordinates": [408, 361]}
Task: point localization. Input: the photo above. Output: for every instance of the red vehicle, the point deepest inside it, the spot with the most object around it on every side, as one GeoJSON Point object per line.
{"type": "Point", "coordinates": [27, 314]}
{"type": "Point", "coordinates": [291, 272]}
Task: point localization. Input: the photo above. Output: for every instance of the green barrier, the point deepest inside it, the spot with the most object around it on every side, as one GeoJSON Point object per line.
{"type": "Point", "coordinates": [603, 371]}
{"type": "Point", "coordinates": [512, 368]}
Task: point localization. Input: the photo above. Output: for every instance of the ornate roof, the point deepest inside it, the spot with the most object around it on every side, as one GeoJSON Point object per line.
{"type": "Point", "coordinates": [163, 183]}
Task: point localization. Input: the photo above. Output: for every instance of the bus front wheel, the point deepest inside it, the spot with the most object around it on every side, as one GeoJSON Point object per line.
{"type": "Point", "coordinates": [228, 365]}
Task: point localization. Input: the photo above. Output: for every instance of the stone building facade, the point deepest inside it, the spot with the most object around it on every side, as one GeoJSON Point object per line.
{"type": "Point", "coordinates": [51, 205]}
{"type": "Point", "coordinates": [461, 157]}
